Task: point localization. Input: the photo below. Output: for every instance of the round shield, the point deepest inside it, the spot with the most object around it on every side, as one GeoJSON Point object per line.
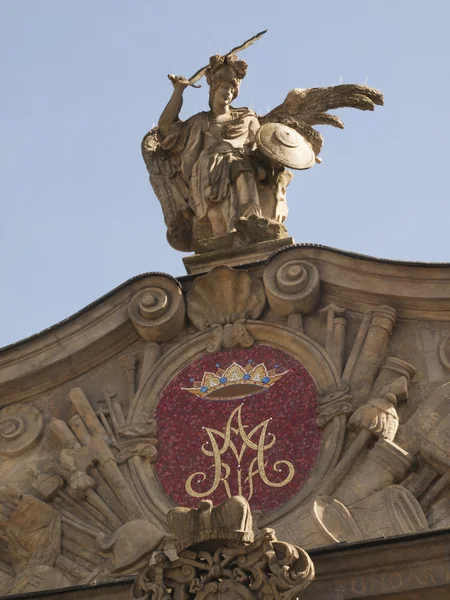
{"type": "Point", "coordinates": [285, 146]}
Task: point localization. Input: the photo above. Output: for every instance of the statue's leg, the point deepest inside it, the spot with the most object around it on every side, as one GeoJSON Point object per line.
{"type": "Point", "coordinates": [215, 216]}
{"type": "Point", "coordinates": [247, 195]}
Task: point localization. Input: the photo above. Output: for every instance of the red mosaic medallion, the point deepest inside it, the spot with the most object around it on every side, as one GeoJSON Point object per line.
{"type": "Point", "coordinates": [238, 422]}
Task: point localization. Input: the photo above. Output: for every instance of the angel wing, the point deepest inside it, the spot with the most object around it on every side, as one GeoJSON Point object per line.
{"type": "Point", "coordinates": [171, 190]}
{"type": "Point", "coordinates": [303, 108]}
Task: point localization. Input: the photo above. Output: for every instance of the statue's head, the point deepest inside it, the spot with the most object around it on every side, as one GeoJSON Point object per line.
{"type": "Point", "coordinates": [225, 72]}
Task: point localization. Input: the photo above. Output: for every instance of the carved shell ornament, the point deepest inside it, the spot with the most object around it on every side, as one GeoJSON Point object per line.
{"type": "Point", "coordinates": [224, 296]}
{"type": "Point", "coordinates": [223, 300]}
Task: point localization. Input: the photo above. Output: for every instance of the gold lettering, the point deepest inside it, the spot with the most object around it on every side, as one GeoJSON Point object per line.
{"type": "Point", "coordinates": [340, 590]}
{"type": "Point", "coordinates": [414, 578]}
{"type": "Point", "coordinates": [222, 470]}
{"type": "Point", "coordinates": [377, 583]}
{"type": "Point", "coordinates": [361, 586]}
{"type": "Point", "coordinates": [395, 581]}
{"type": "Point", "coordinates": [429, 575]}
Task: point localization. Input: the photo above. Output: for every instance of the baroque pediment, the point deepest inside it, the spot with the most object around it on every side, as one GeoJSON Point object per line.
{"type": "Point", "coordinates": [314, 384]}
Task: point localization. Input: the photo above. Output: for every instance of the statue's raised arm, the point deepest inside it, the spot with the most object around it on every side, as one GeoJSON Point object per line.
{"type": "Point", "coordinates": [221, 175]}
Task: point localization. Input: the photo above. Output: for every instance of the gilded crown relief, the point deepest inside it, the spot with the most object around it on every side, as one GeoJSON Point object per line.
{"type": "Point", "coordinates": [255, 382]}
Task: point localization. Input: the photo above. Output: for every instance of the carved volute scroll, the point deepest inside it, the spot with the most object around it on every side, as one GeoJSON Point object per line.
{"type": "Point", "coordinates": [21, 428]}
{"type": "Point", "coordinates": [158, 311]}
{"type": "Point", "coordinates": [292, 285]}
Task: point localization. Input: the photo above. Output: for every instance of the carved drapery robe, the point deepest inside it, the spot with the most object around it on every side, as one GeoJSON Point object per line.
{"type": "Point", "coordinates": [213, 155]}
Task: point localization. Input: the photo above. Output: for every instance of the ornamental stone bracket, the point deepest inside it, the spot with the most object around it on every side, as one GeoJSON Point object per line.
{"type": "Point", "coordinates": [221, 556]}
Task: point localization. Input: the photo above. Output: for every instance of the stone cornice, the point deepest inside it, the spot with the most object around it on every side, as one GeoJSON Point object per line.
{"type": "Point", "coordinates": [416, 290]}
{"type": "Point", "coordinates": [72, 347]}
{"type": "Point", "coordinates": [409, 566]}
{"type": "Point", "coordinates": [102, 329]}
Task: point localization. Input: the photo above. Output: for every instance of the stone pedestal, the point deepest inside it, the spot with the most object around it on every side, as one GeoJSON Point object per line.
{"type": "Point", "coordinates": [233, 257]}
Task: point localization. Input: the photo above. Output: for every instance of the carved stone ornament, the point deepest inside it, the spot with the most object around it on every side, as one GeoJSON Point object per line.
{"type": "Point", "coordinates": [21, 428]}
{"type": "Point", "coordinates": [158, 312]}
{"type": "Point", "coordinates": [292, 285]}
{"type": "Point", "coordinates": [219, 557]}
{"type": "Point", "coordinates": [233, 192]}
{"type": "Point", "coordinates": [223, 300]}
{"type": "Point", "coordinates": [444, 354]}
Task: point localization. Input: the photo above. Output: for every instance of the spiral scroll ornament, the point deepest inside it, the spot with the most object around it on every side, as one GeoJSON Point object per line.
{"type": "Point", "coordinates": [292, 285]}
{"type": "Point", "coordinates": [158, 311]}
{"type": "Point", "coordinates": [21, 428]}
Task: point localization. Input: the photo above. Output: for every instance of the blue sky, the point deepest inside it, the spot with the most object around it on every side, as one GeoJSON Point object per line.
{"type": "Point", "coordinates": [81, 83]}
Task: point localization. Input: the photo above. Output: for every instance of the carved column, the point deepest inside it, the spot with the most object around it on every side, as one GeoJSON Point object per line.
{"type": "Point", "coordinates": [386, 463]}
{"type": "Point", "coordinates": [373, 353]}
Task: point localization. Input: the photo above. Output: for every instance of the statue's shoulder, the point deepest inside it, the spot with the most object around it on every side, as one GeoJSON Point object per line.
{"type": "Point", "coordinates": [200, 117]}
{"type": "Point", "coordinates": [243, 111]}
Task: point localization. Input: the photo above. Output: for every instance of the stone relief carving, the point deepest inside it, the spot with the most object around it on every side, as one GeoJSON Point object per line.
{"type": "Point", "coordinates": [291, 286]}
{"type": "Point", "coordinates": [158, 312]}
{"type": "Point", "coordinates": [98, 500]}
{"type": "Point", "coordinates": [20, 429]}
{"type": "Point", "coordinates": [220, 556]}
{"type": "Point", "coordinates": [32, 532]}
{"type": "Point", "coordinates": [223, 300]}
{"type": "Point", "coordinates": [444, 355]}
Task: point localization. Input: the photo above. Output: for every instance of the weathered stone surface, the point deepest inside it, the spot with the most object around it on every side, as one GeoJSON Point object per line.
{"type": "Point", "coordinates": [158, 311]}
{"type": "Point", "coordinates": [80, 423]}
{"type": "Point", "coordinates": [220, 556]}
{"type": "Point", "coordinates": [233, 257]}
{"type": "Point", "coordinates": [391, 569]}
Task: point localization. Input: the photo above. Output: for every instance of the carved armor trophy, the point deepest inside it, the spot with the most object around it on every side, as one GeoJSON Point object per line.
{"type": "Point", "coordinates": [221, 175]}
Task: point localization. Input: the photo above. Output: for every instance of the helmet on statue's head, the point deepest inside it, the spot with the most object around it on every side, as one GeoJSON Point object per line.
{"type": "Point", "coordinates": [228, 68]}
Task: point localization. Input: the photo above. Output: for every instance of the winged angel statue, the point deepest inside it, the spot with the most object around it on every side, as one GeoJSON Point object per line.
{"type": "Point", "coordinates": [221, 175]}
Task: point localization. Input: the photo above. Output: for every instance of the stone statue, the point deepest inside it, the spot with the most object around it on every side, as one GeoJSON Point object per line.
{"type": "Point", "coordinates": [221, 175]}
